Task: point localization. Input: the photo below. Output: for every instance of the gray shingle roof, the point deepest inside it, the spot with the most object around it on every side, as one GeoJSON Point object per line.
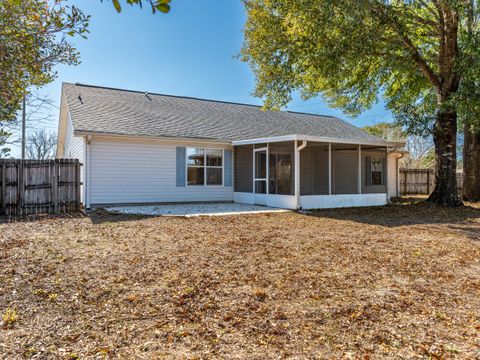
{"type": "Point", "coordinates": [115, 111]}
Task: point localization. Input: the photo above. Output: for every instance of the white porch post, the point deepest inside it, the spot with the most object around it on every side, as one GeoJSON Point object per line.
{"type": "Point", "coordinates": [297, 170]}
{"type": "Point", "coordinates": [359, 169]}
{"type": "Point", "coordinates": [386, 174]}
{"type": "Point", "coordinates": [297, 173]}
{"type": "Point", "coordinates": [329, 168]}
{"type": "Point", "coordinates": [267, 182]}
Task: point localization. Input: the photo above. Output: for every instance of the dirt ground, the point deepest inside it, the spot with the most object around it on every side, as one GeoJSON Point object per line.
{"type": "Point", "coordinates": [401, 281]}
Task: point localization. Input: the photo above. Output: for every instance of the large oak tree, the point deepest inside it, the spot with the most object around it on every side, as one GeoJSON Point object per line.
{"type": "Point", "coordinates": [353, 51]}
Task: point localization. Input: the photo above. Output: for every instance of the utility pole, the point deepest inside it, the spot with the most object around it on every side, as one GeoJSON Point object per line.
{"type": "Point", "coordinates": [24, 117]}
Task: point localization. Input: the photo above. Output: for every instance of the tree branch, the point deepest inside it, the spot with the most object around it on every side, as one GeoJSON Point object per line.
{"type": "Point", "coordinates": [422, 64]}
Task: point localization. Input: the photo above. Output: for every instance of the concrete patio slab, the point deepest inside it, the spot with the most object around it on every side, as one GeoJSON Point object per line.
{"type": "Point", "coordinates": [189, 210]}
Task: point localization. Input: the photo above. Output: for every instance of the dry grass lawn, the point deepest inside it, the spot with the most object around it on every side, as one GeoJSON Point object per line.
{"type": "Point", "coordinates": [401, 281]}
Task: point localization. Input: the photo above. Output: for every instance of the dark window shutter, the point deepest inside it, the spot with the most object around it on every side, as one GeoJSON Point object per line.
{"type": "Point", "coordinates": [368, 171]}
{"type": "Point", "coordinates": [227, 161]}
{"type": "Point", "coordinates": [181, 176]}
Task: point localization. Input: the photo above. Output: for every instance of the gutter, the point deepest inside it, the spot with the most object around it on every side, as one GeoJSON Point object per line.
{"type": "Point", "coordinates": [150, 137]}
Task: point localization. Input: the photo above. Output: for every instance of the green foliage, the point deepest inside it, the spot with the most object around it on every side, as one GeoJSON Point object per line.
{"type": "Point", "coordinates": [4, 150]}
{"type": "Point", "coordinates": [34, 38]}
{"type": "Point", "coordinates": [9, 318]}
{"type": "Point", "coordinates": [351, 52]}
{"type": "Point", "coordinates": [156, 5]}
{"type": "Point", "coordinates": [386, 131]}
{"type": "Point", "coordinates": [428, 161]}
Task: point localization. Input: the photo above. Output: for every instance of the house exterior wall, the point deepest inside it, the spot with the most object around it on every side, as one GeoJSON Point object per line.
{"type": "Point", "coordinates": [75, 148]}
{"type": "Point", "coordinates": [392, 177]}
{"type": "Point", "coordinates": [125, 170]}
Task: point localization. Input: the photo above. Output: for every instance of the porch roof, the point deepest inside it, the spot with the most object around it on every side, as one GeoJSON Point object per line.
{"type": "Point", "coordinates": [322, 139]}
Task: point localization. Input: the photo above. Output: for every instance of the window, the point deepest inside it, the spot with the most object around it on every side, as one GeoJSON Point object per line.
{"type": "Point", "coordinates": [377, 171]}
{"type": "Point", "coordinates": [204, 166]}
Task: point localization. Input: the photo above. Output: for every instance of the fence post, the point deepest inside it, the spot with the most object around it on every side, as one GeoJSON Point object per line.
{"type": "Point", "coordinates": [20, 187]}
{"type": "Point", "coordinates": [54, 180]}
{"type": "Point", "coordinates": [77, 185]}
{"type": "Point", "coordinates": [3, 190]}
{"type": "Point", "coordinates": [428, 182]}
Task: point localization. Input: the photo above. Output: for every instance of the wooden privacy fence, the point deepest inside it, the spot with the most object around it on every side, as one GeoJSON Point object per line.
{"type": "Point", "coordinates": [421, 181]}
{"type": "Point", "coordinates": [39, 186]}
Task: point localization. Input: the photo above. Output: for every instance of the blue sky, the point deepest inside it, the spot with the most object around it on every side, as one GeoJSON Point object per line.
{"type": "Point", "coordinates": [190, 52]}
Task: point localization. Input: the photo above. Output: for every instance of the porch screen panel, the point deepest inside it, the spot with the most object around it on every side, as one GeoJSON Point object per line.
{"type": "Point", "coordinates": [281, 168]}
{"type": "Point", "coordinates": [367, 186]}
{"type": "Point", "coordinates": [307, 172]}
{"type": "Point", "coordinates": [346, 172]}
{"type": "Point", "coordinates": [320, 158]}
{"type": "Point", "coordinates": [281, 172]}
{"type": "Point", "coordinates": [243, 168]}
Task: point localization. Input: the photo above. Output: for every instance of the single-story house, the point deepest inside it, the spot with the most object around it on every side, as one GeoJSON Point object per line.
{"type": "Point", "coordinates": [138, 148]}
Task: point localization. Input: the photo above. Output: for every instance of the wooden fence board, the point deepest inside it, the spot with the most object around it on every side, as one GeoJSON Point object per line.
{"type": "Point", "coordinates": [421, 181]}
{"type": "Point", "coordinates": [39, 186]}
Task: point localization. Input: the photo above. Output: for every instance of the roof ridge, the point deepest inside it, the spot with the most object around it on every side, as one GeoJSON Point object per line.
{"type": "Point", "coordinates": [196, 98]}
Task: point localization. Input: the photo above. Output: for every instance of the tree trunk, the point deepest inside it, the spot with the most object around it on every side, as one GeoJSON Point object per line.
{"type": "Point", "coordinates": [445, 140]}
{"type": "Point", "coordinates": [471, 164]}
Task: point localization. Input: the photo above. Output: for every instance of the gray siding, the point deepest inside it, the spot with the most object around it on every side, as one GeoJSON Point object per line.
{"type": "Point", "coordinates": [345, 165]}
{"type": "Point", "coordinates": [313, 172]}
{"type": "Point", "coordinates": [243, 168]}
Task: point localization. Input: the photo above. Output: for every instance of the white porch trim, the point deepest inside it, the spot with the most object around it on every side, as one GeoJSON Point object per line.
{"type": "Point", "coordinates": [322, 139]}
{"type": "Point", "coordinates": [314, 201]}
{"type": "Point", "coordinates": [272, 200]}
{"type": "Point", "coordinates": [340, 201]}
{"type": "Point", "coordinates": [359, 187]}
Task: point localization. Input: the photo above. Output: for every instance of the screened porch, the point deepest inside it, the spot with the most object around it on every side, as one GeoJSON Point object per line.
{"type": "Point", "coordinates": [310, 174]}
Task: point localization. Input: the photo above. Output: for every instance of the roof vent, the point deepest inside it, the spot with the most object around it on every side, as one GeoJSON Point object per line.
{"type": "Point", "coordinates": [80, 98]}
{"type": "Point", "coordinates": [148, 97]}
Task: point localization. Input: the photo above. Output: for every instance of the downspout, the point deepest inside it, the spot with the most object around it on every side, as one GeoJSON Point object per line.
{"type": "Point", "coordinates": [297, 172]}
{"type": "Point", "coordinates": [398, 174]}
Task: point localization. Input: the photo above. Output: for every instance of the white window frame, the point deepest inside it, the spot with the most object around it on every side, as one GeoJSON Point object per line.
{"type": "Point", "coordinates": [382, 182]}
{"type": "Point", "coordinates": [204, 166]}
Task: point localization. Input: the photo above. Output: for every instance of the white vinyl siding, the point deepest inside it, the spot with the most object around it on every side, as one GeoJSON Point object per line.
{"type": "Point", "coordinates": [74, 148]}
{"type": "Point", "coordinates": [136, 171]}
{"type": "Point", "coordinates": [392, 176]}
{"type": "Point", "coordinates": [74, 145]}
